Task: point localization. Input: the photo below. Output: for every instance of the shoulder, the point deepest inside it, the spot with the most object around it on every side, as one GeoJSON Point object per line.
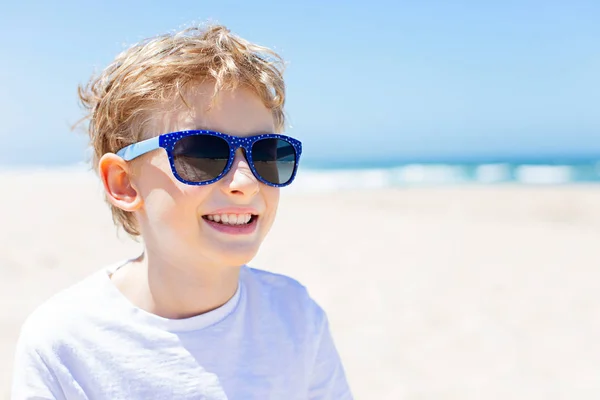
{"type": "Point", "coordinates": [274, 284]}
{"type": "Point", "coordinates": [283, 295]}
{"type": "Point", "coordinates": [273, 279]}
{"type": "Point", "coordinates": [56, 319]}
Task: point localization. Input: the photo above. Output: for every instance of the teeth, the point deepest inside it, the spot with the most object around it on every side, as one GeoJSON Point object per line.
{"type": "Point", "coordinates": [230, 219]}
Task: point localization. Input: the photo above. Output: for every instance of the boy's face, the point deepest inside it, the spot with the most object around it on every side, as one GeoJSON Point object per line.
{"type": "Point", "coordinates": [172, 216]}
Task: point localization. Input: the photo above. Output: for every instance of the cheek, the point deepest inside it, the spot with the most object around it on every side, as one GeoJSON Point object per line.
{"type": "Point", "coordinates": [163, 206]}
{"type": "Point", "coordinates": [166, 200]}
{"type": "Point", "coordinates": [271, 196]}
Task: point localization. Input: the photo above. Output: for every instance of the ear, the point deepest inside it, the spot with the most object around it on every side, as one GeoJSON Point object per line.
{"type": "Point", "coordinates": [115, 174]}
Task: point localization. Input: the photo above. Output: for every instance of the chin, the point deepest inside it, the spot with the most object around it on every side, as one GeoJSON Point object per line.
{"type": "Point", "coordinates": [236, 257]}
{"type": "Point", "coordinates": [229, 251]}
{"type": "Point", "coordinates": [236, 261]}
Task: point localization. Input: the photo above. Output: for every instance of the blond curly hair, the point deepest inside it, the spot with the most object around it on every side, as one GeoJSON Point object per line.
{"type": "Point", "coordinates": [121, 100]}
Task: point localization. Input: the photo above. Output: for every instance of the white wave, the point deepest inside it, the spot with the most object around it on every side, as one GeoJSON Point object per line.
{"type": "Point", "coordinates": [335, 180]}
{"type": "Point", "coordinates": [544, 174]}
{"type": "Point", "coordinates": [430, 174]}
{"type": "Point", "coordinates": [79, 169]}
{"type": "Point", "coordinates": [492, 173]}
{"type": "Point", "coordinates": [313, 180]}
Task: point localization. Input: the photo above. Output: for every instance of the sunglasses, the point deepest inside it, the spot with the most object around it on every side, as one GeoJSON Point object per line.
{"type": "Point", "coordinates": [200, 157]}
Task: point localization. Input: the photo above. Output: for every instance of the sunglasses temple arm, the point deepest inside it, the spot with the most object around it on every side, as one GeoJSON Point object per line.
{"type": "Point", "coordinates": [137, 149]}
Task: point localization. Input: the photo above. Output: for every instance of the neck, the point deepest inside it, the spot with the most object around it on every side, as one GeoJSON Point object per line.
{"type": "Point", "coordinates": [176, 290]}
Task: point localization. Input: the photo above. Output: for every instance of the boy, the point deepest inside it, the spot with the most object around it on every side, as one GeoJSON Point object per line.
{"type": "Point", "coordinates": [183, 130]}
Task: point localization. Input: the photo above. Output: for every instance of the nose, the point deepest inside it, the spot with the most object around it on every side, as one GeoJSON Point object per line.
{"type": "Point", "coordinates": [240, 181]}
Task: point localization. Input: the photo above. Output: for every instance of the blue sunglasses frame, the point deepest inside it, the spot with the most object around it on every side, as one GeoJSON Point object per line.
{"type": "Point", "coordinates": [167, 141]}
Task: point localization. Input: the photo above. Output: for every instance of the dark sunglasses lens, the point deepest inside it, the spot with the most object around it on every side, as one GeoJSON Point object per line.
{"type": "Point", "coordinates": [274, 160]}
{"type": "Point", "coordinates": [200, 158]}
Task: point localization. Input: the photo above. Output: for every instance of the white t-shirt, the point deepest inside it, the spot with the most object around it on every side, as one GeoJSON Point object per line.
{"type": "Point", "coordinates": [270, 341]}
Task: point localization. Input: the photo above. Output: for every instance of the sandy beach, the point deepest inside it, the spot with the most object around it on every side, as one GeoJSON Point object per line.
{"type": "Point", "coordinates": [432, 293]}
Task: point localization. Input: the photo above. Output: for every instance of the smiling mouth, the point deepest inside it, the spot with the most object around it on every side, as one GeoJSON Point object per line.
{"type": "Point", "coordinates": [231, 219]}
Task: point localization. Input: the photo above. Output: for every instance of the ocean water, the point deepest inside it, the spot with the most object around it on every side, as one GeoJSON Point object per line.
{"type": "Point", "coordinates": [322, 177]}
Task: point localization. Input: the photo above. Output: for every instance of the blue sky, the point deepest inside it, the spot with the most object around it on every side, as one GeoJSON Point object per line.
{"type": "Point", "coordinates": [367, 79]}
